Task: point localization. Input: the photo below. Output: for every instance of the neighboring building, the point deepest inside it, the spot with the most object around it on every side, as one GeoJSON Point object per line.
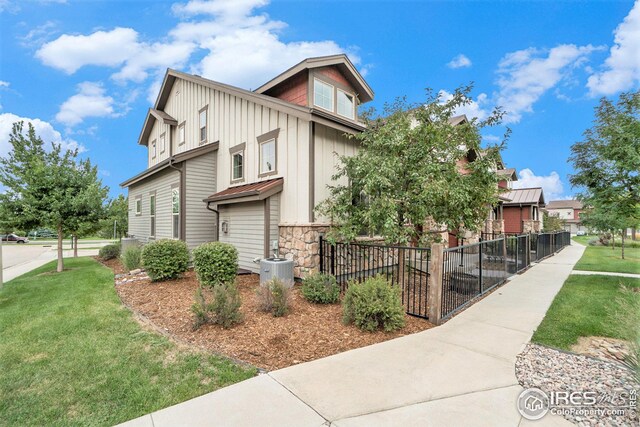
{"type": "Point", "coordinates": [569, 211]}
{"type": "Point", "coordinates": [522, 212]}
{"type": "Point", "coordinates": [247, 167]}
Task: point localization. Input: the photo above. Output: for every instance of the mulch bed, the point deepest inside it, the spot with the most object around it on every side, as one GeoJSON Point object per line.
{"type": "Point", "coordinates": [308, 332]}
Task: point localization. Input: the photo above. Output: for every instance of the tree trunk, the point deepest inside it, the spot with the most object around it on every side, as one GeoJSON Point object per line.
{"type": "Point", "coordinates": [75, 246]}
{"type": "Point", "coordinates": [613, 240]}
{"type": "Point", "coordinates": [622, 244]}
{"type": "Point", "coordinates": [60, 260]}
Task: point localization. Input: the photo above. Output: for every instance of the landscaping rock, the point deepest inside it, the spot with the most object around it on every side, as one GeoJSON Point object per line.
{"type": "Point", "coordinates": [552, 371]}
{"type": "Point", "coordinates": [602, 348]}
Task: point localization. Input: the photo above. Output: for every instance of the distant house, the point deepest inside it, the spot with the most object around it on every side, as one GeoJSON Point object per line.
{"type": "Point", "coordinates": [247, 167]}
{"type": "Point", "coordinates": [569, 211]}
{"type": "Point", "coordinates": [522, 211]}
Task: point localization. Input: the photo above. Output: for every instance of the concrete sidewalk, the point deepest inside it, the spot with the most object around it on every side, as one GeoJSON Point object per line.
{"type": "Point", "coordinates": [459, 374]}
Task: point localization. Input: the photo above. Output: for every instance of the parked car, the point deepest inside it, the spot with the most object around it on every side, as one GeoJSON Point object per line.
{"type": "Point", "coordinates": [14, 238]}
{"type": "Point", "coordinates": [581, 233]}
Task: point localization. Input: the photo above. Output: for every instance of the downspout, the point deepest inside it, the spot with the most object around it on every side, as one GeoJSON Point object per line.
{"type": "Point", "coordinates": [217, 236]}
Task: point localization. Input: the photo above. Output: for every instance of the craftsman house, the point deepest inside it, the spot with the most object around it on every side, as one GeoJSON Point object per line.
{"type": "Point", "coordinates": [246, 167]}
{"type": "Point", "coordinates": [568, 211]}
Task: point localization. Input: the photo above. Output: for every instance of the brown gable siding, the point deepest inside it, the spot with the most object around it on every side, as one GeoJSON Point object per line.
{"type": "Point", "coordinates": [293, 90]}
{"type": "Point", "coordinates": [334, 74]}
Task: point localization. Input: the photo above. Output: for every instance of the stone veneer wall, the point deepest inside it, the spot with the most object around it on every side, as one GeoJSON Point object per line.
{"type": "Point", "coordinates": [301, 243]}
{"type": "Point", "coordinates": [530, 226]}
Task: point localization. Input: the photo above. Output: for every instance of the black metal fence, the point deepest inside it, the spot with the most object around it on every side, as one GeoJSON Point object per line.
{"type": "Point", "coordinates": [406, 267]}
{"type": "Point", "coordinates": [471, 270]}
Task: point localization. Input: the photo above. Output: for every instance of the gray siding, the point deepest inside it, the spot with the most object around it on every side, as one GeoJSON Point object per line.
{"type": "Point", "coordinates": [201, 183]}
{"type": "Point", "coordinates": [246, 231]}
{"type": "Point", "coordinates": [140, 225]}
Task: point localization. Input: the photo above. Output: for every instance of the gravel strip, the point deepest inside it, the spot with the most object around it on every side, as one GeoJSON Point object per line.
{"type": "Point", "coordinates": [552, 371]}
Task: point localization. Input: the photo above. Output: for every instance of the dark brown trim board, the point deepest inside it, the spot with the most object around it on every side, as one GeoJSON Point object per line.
{"type": "Point", "coordinates": [267, 225]}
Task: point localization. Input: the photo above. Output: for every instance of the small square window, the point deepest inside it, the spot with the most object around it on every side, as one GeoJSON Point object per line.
{"type": "Point", "coordinates": [203, 125]}
{"type": "Point", "coordinates": [138, 205]}
{"type": "Point", "coordinates": [162, 143]}
{"type": "Point", "coordinates": [181, 138]}
{"type": "Point", "coordinates": [323, 95]}
{"type": "Point", "coordinates": [268, 157]}
{"type": "Point", "coordinates": [237, 166]}
{"type": "Point", "coordinates": [346, 104]}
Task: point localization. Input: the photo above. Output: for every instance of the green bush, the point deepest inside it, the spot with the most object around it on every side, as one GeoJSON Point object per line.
{"type": "Point", "coordinates": [373, 304]}
{"type": "Point", "coordinates": [131, 257]}
{"type": "Point", "coordinates": [594, 242]}
{"type": "Point", "coordinates": [274, 296]}
{"type": "Point", "coordinates": [215, 263]}
{"type": "Point", "coordinates": [109, 252]}
{"type": "Point", "coordinates": [320, 288]}
{"type": "Point", "coordinates": [165, 259]}
{"type": "Point", "coordinates": [224, 309]}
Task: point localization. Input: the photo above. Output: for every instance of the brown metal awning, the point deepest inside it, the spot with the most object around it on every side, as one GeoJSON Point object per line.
{"type": "Point", "coordinates": [247, 192]}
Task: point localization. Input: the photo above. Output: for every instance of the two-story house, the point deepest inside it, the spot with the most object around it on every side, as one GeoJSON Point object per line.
{"type": "Point", "coordinates": [569, 211]}
{"type": "Point", "coordinates": [246, 167]}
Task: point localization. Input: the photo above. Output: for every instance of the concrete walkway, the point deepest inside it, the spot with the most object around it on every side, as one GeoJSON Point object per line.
{"type": "Point", "coordinates": [39, 260]}
{"type": "Point", "coordinates": [459, 374]}
{"type": "Point", "coordinates": [605, 273]}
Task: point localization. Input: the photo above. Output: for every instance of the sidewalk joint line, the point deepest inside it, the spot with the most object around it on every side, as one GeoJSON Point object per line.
{"type": "Point", "coordinates": [297, 397]}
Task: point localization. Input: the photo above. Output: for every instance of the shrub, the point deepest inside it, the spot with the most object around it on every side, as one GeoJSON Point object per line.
{"type": "Point", "coordinates": [109, 252]}
{"type": "Point", "coordinates": [373, 304]}
{"type": "Point", "coordinates": [224, 308]}
{"type": "Point", "coordinates": [131, 257]}
{"type": "Point", "coordinates": [604, 239]}
{"type": "Point", "coordinates": [320, 288]}
{"type": "Point", "coordinates": [215, 263]}
{"type": "Point", "coordinates": [594, 242]}
{"type": "Point", "coordinates": [626, 318]}
{"type": "Point", "coordinates": [165, 259]}
{"type": "Point", "coordinates": [274, 296]}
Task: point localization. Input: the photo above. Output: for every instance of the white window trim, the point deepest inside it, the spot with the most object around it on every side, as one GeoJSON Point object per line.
{"type": "Point", "coordinates": [204, 110]}
{"type": "Point", "coordinates": [154, 149]}
{"type": "Point", "coordinates": [138, 205]}
{"type": "Point", "coordinates": [241, 178]}
{"type": "Point", "coordinates": [184, 134]}
{"type": "Point", "coordinates": [353, 108]}
{"type": "Point", "coordinates": [275, 158]}
{"type": "Point", "coordinates": [163, 142]}
{"type": "Point", "coordinates": [333, 94]}
{"type": "Point", "coordinates": [152, 214]}
{"type": "Point", "coordinates": [173, 215]}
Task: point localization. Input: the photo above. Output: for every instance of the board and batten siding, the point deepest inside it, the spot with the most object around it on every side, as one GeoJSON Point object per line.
{"type": "Point", "coordinates": [231, 121]}
{"type": "Point", "coordinates": [200, 183]}
{"type": "Point", "coordinates": [328, 145]}
{"type": "Point", "coordinates": [140, 225]}
{"type": "Point", "coordinates": [245, 231]}
{"type": "Point", "coordinates": [158, 129]}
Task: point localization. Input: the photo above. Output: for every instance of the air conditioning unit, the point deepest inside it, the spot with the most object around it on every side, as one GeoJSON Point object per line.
{"type": "Point", "coordinates": [276, 267]}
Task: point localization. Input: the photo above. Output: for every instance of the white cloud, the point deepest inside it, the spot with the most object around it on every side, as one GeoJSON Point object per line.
{"type": "Point", "coordinates": [479, 109]}
{"type": "Point", "coordinates": [525, 75]}
{"type": "Point", "coordinates": [4, 84]}
{"type": "Point", "coordinates": [240, 47]}
{"type": "Point", "coordinates": [43, 129]}
{"type": "Point", "coordinates": [551, 184]}
{"type": "Point", "coordinates": [102, 48]}
{"type": "Point", "coordinates": [491, 138]}
{"type": "Point", "coordinates": [460, 61]}
{"type": "Point", "coordinates": [90, 101]}
{"type": "Point", "coordinates": [39, 35]}
{"type": "Point", "coordinates": [622, 67]}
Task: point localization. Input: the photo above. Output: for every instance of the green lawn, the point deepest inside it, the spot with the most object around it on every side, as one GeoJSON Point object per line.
{"type": "Point", "coordinates": [585, 306]}
{"type": "Point", "coordinates": [71, 354]}
{"type": "Point", "coordinates": [601, 258]}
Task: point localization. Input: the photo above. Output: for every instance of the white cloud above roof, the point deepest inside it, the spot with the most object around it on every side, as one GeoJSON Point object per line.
{"type": "Point", "coordinates": [551, 184]}
{"type": "Point", "coordinates": [90, 101]}
{"type": "Point", "coordinates": [622, 67]}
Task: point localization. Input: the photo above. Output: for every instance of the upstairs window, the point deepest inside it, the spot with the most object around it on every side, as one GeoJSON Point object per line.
{"type": "Point", "coordinates": [237, 166]}
{"type": "Point", "coordinates": [323, 95]}
{"type": "Point", "coordinates": [203, 125]}
{"type": "Point", "coordinates": [268, 157]}
{"type": "Point", "coordinates": [138, 205]}
{"type": "Point", "coordinates": [162, 143]}
{"type": "Point", "coordinates": [181, 138]}
{"type": "Point", "coordinates": [153, 149]}
{"type": "Point", "coordinates": [346, 104]}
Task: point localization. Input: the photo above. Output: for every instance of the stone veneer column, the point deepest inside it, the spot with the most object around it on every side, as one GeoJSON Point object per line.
{"type": "Point", "coordinates": [301, 243]}
{"type": "Point", "coordinates": [528, 226]}
{"type": "Point", "coordinates": [498, 226]}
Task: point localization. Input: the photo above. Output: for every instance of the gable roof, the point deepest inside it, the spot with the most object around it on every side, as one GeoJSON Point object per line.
{"type": "Point", "coordinates": [509, 173]}
{"type": "Point", "coordinates": [564, 204]}
{"type": "Point", "coordinates": [341, 61]}
{"type": "Point", "coordinates": [525, 196]}
{"type": "Point", "coordinates": [248, 192]}
{"type": "Point", "coordinates": [152, 116]}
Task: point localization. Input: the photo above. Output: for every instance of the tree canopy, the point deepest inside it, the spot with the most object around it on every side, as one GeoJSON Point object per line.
{"type": "Point", "coordinates": [409, 174]}
{"type": "Point", "coordinates": [607, 164]}
{"type": "Point", "coordinates": [48, 187]}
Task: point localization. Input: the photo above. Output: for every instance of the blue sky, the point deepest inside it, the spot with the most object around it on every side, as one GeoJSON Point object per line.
{"type": "Point", "coordinates": [85, 72]}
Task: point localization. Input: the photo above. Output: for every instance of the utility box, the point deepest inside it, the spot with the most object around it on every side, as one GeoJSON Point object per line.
{"type": "Point", "coordinates": [276, 267]}
{"type": "Point", "coordinates": [127, 242]}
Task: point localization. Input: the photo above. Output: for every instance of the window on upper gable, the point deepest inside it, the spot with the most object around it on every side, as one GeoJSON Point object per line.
{"type": "Point", "coordinates": [346, 104]}
{"type": "Point", "coordinates": [162, 143]}
{"type": "Point", "coordinates": [203, 125]}
{"type": "Point", "coordinates": [181, 137]}
{"type": "Point", "coordinates": [153, 149]}
{"type": "Point", "coordinates": [237, 165]}
{"type": "Point", "coordinates": [323, 95]}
